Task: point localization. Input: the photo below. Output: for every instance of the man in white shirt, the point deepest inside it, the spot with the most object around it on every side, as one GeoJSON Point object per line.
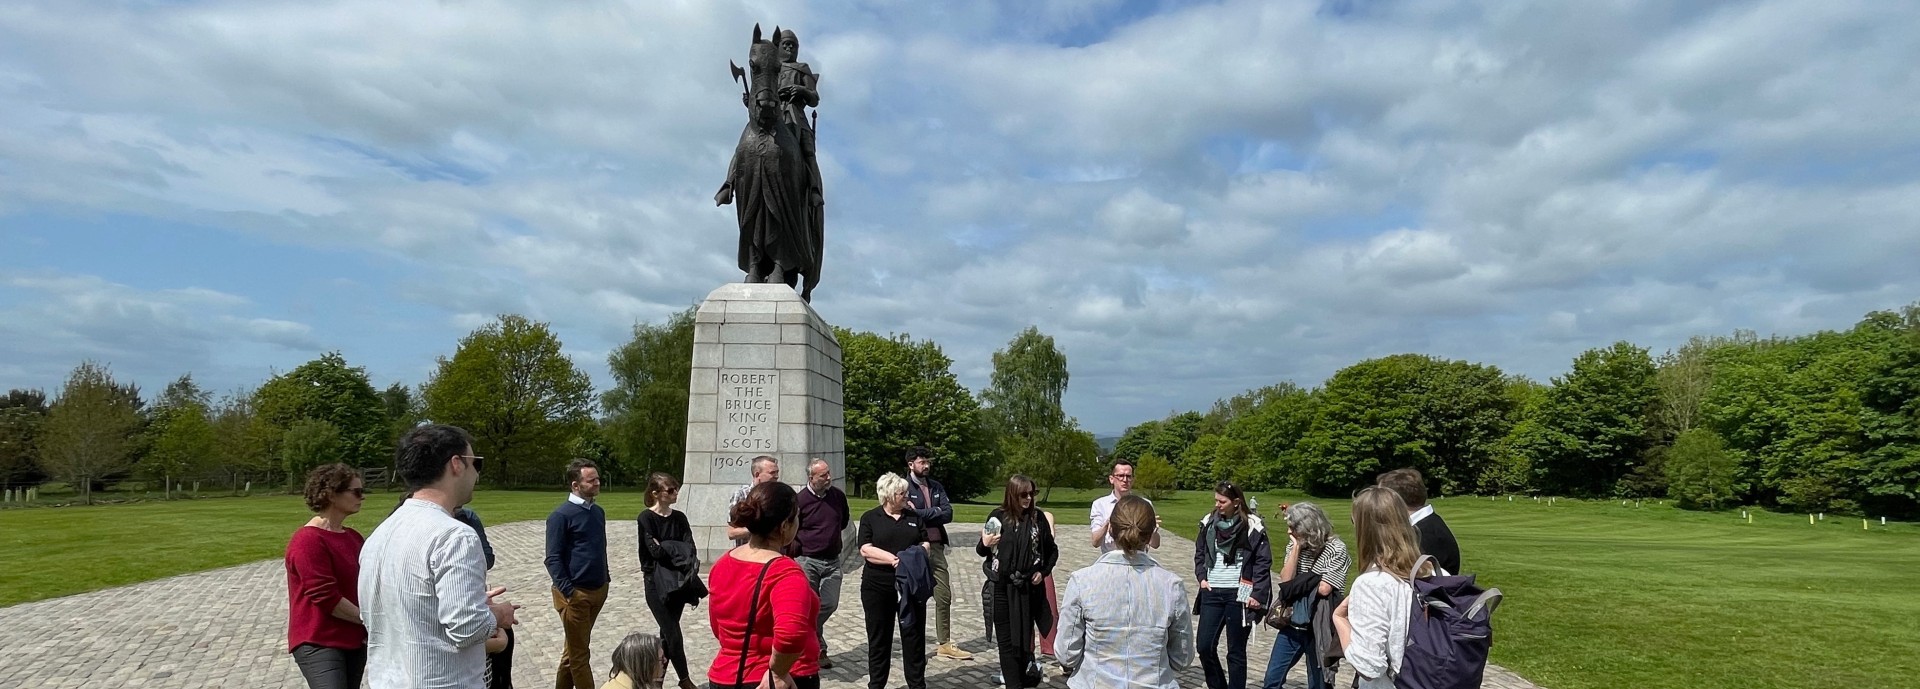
{"type": "Point", "coordinates": [1120, 476]}
{"type": "Point", "coordinates": [423, 575]}
{"type": "Point", "coordinates": [764, 469]}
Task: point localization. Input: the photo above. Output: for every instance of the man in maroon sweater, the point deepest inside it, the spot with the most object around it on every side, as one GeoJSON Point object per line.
{"type": "Point", "coordinates": [823, 520]}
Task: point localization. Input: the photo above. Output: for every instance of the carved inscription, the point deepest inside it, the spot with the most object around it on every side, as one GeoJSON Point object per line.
{"type": "Point", "coordinates": [749, 422]}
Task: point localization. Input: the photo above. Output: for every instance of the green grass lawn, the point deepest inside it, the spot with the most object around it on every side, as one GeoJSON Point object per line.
{"type": "Point", "coordinates": [1598, 595]}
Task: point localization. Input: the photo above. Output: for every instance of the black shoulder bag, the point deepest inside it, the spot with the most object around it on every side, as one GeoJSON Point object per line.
{"type": "Point", "coordinates": [753, 615]}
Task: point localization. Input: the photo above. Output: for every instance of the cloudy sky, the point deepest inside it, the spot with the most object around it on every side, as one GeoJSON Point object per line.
{"type": "Point", "coordinates": [1192, 198]}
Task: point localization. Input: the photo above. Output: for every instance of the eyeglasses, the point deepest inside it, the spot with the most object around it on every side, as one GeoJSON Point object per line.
{"type": "Point", "coordinates": [1124, 477]}
{"type": "Point", "coordinates": [472, 460]}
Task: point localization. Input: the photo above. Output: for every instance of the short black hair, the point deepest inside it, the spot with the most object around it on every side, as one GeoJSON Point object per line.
{"type": "Point", "coordinates": [574, 467]}
{"type": "Point", "coordinates": [1120, 462]}
{"type": "Point", "coordinates": [425, 451]}
{"type": "Point", "coordinates": [919, 451]}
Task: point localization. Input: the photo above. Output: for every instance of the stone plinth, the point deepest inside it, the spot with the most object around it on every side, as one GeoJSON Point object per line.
{"type": "Point", "coordinates": [766, 381]}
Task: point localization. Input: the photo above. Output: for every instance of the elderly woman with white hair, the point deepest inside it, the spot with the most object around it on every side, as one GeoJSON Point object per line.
{"type": "Point", "coordinates": [887, 532]}
{"type": "Point", "coordinates": [1312, 548]}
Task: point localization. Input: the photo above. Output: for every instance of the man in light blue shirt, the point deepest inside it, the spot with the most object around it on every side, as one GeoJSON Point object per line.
{"type": "Point", "coordinates": [423, 574]}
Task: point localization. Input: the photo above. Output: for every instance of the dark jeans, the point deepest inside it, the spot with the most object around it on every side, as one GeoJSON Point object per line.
{"type": "Point", "coordinates": [1288, 646]}
{"type": "Point", "coordinates": [330, 668]}
{"type": "Point", "coordinates": [883, 615]}
{"type": "Point", "coordinates": [672, 643]}
{"type": "Point", "coordinates": [500, 666]}
{"type": "Point", "coordinates": [1219, 610]}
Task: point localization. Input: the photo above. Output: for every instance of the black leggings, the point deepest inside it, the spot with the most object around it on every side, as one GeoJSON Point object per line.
{"type": "Point", "coordinates": [500, 665]}
{"type": "Point", "coordinates": [330, 668]}
{"type": "Point", "coordinates": [672, 642]}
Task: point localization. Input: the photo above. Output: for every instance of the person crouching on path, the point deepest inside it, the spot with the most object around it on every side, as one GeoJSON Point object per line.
{"type": "Point", "coordinates": [762, 609]}
{"type": "Point", "coordinates": [638, 663]}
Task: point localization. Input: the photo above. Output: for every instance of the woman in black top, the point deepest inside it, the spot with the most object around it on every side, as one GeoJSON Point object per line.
{"type": "Point", "coordinates": [661, 524]}
{"type": "Point", "coordinates": [885, 531]}
{"type": "Point", "coordinates": [1020, 552]}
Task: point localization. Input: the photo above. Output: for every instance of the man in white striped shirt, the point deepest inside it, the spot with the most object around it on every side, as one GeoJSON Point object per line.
{"type": "Point", "coordinates": [423, 576]}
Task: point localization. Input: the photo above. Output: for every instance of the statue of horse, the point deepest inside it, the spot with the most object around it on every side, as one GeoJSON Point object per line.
{"type": "Point", "coordinates": [768, 181]}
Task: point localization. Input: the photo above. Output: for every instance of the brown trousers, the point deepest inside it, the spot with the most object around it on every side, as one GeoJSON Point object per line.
{"type": "Point", "coordinates": [577, 614]}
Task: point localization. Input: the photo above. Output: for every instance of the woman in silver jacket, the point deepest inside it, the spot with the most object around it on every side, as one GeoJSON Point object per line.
{"type": "Point", "coordinates": [1142, 637]}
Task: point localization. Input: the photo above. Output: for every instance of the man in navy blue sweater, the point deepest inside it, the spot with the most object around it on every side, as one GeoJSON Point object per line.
{"type": "Point", "coordinates": [577, 562]}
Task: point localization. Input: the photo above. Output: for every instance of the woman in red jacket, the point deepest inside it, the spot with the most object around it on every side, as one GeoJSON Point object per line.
{"type": "Point", "coordinates": [323, 575]}
{"type": "Point", "coordinates": [761, 606]}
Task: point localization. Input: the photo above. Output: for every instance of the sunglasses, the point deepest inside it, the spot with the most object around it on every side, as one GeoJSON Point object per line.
{"type": "Point", "coordinates": [472, 460]}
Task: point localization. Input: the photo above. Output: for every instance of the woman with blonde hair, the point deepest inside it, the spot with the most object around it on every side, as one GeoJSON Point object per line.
{"type": "Point", "coordinates": [638, 663]}
{"type": "Point", "coordinates": [1142, 639]}
{"type": "Point", "coordinates": [1372, 621]}
{"type": "Point", "coordinates": [888, 532]}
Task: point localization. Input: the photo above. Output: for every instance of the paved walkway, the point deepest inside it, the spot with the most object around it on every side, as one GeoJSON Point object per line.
{"type": "Point", "coordinates": [227, 627]}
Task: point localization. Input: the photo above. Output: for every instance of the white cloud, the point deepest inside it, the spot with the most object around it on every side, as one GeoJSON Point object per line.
{"type": "Point", "coordinates": [1194, 202]}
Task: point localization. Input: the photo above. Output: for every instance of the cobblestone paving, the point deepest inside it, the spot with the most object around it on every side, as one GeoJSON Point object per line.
{"type": "Point", "coordinates": [227, 627]}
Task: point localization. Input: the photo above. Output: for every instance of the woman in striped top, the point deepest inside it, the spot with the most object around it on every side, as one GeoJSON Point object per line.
{"type": "Point", "coordinates": [1234, 563]}
{"type": "Point", "coordinates": [1311, 549]}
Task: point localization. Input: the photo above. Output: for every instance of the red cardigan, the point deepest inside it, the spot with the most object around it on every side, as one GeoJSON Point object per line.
{"type": "Point", "coordinates": [784, 622]}
{"type": "Point", "coordinates": [322, 568]}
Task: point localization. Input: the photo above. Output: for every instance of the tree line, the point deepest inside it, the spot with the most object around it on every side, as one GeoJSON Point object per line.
{"type": "Point", "coordinates": [531, 410]}
{"type": "Point", "coordinates": [1828, 421]}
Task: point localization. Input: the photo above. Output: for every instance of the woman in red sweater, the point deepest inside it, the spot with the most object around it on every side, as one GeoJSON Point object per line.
{"type": "Point", "coordinates": [323, 577]}
{"type": "Point", "coordinates": [761, 607]}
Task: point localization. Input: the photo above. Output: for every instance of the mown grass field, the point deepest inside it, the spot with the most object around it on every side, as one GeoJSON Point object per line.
{"type": "Point", "coordinates": [1598, 595]}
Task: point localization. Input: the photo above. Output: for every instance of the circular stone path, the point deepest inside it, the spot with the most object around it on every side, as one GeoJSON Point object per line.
{"type": "Point", "coordinates": [227, 627]}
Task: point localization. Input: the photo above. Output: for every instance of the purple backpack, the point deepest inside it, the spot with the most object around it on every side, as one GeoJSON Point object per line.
{"type": "Point", "coordinates": [1448, 634]}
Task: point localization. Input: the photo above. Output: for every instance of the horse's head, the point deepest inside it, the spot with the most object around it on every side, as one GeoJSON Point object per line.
{"type": "Point", "coordinates": [763, 62]}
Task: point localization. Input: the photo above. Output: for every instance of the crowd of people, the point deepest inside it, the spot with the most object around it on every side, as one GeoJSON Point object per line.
{"type": "Point", "coordinates": [409, 606]}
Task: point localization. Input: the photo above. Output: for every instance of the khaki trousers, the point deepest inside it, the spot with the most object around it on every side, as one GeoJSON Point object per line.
{"type": "Point", "coordinates": [577, 614]}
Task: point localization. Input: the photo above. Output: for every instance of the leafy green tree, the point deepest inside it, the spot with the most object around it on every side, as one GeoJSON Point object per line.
{"type": "Point", "coordinates": [243, 442]}
{"type": "Point", "coordinates": [900, 392]}
{"type": "Point", "coordinates": [1593, 424]}
{"type": "Point", "coordinates": [1066, 457]}
{"type": "Point", "coordinates": [1133, 443]}
{"type": "Point", "coordinates": [183, 438]}
{"type": "Point", "coordinates": [403, 409]}
{"type": "Point", "coordinates": [1445, 418]}
{"type": "Point", "coordinates": [1028, 381]}
{"type": "Point", "coordinates": [1272, 431]}
{"type": "Point", "coordinates": [308, 444]}
{"type": "Point", "coordinates": [23, 414]}
{"type": "Point", "coordinates": [1892, 429]}
{"type": "Point", "coordinates": [510, 385]}
{"type": "Point", "coordinates": [646, 424]}
{"type": "Point", "coordinates": [1153, 476]}
{"type": "Point", "coordinates": [329, 390]}
{"type": "Point", "coordinates": [1699, 471]}
{"type": "Point", "coordinates": [1512, 468]}
{"type": "Point", "coordinates": [90, 428]}
{"type": "Point", "coordinates": [1217, 457]}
